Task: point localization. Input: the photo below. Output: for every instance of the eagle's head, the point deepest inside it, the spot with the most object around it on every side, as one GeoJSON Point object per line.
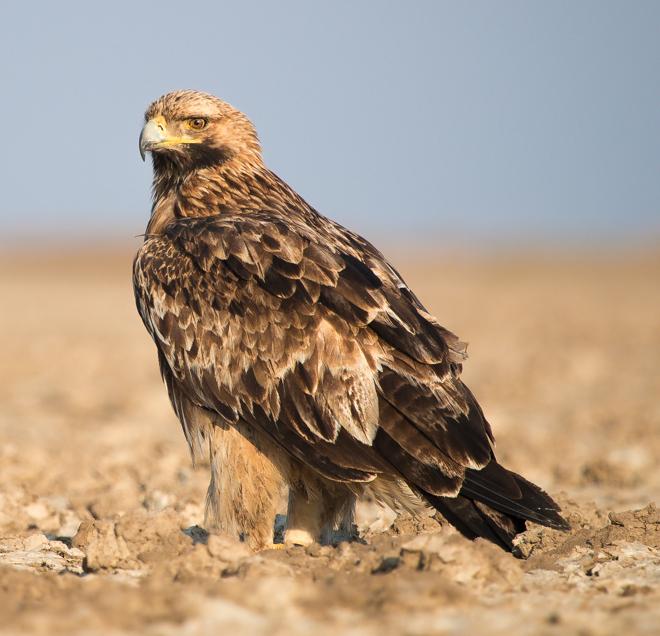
{"type": "Point", "coordinates": [185, 130]}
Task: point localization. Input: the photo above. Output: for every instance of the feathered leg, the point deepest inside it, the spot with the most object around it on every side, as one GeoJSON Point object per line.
{"type": "Point", "coordinates": [319, 511]}
{"type": "Point", "coordinates": [303, 518]}
{"type": "Point", "coordinates": [246, 488]}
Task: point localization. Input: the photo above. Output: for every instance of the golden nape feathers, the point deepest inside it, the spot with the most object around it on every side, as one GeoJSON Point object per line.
{"type": "Point", "coordinates": [298, 356]}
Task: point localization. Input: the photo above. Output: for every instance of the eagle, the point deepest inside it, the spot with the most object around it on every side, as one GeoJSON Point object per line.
{"type": "Point", "coordinates": [296, 357]}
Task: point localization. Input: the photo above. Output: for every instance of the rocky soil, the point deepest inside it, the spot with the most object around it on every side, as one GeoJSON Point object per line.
{"type": "Point", "coordinates": [101, 510]}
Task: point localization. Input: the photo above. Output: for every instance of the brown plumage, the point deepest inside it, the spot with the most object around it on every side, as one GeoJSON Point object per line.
{"type": "Point", "coordinates": [295, 353]}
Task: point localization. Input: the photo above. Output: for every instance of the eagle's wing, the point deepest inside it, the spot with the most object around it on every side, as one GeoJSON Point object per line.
{"type": "Point", "coordinates": [261, 320]}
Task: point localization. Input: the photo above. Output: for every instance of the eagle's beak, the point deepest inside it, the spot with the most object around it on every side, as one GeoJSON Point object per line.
{"type": "Point", "coordinates": [153, 133]}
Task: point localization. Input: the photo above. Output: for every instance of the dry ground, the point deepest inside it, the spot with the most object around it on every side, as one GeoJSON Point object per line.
{"type": "Point", "coordinates": [100, 507]}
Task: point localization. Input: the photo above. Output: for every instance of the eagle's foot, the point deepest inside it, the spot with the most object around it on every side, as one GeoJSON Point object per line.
{"type": "Point", "coordinates": [298, 536]}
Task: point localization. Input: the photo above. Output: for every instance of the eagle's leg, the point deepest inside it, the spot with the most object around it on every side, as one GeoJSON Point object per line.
{"type": "Point", "coordinates": [303, 518]}
{"type": "Point", "coordinates": [319, 511]}
{"type": "Point", "coordinates": [246, 487]}
{"type": "Point", "coordinates": [341, 524]}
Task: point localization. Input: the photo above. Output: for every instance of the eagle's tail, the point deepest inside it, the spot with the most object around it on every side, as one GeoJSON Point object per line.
{"type": "Point", "coordinates": [494, 503]}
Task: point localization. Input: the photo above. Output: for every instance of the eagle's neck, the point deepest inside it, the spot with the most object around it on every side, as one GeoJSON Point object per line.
{"type": "Point", "coordinates": [229, 188]}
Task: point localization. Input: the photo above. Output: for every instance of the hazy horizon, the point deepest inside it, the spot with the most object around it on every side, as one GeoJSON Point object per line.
{"type": "Point", "coordinates": [481, 124]}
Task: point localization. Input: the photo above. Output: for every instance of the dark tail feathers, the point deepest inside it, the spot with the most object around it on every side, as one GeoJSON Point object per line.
{"type": "Point", "coordinates": [494, 503]}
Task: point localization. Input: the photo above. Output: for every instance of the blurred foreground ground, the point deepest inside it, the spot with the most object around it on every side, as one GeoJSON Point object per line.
{"type": "Point", "coordinates": [565, 360]}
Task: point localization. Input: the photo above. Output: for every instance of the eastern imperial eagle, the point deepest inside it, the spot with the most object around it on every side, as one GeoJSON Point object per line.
{"type": "Point", "coordinates": [294, 352]}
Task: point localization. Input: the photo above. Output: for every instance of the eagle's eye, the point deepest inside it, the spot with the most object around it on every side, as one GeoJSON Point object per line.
{"type": "Point", "coordinates": [197, 123]}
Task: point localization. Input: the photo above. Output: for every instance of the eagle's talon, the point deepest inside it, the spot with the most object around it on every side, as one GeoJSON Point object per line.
{"type": "Point", "coordinates": [274, 546]}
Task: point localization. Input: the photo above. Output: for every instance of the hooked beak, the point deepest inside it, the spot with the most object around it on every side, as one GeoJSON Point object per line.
{"type": "Point", "coordinates": [153, 133]}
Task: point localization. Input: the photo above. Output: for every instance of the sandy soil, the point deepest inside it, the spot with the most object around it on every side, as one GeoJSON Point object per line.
{"type": "Point", "coordinates": [100, 509]}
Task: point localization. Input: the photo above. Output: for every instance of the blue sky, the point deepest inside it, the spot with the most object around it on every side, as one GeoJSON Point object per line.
{"type": "Point", "coordinates": [449, 122]}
